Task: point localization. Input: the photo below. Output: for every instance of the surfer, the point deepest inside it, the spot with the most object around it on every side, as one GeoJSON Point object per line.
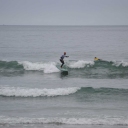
{"type": "Point", "coordinates": [95, 59]}
{"type": "Point", "coordinates": [62, 58]}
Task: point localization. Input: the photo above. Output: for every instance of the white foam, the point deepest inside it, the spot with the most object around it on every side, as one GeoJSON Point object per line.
{"type": "Point", "coordinates": [27, 92]}
{"type": "Point", "coordinates": [118, 63]}
{"type": "Point", "coordinates": [80, 64]}
{"type": "Point", "coordinates": [71, 121]}
{"type": "Point", "coordinates": [124, 64]}
{"type": "Point", "coordinates": [48, 67]}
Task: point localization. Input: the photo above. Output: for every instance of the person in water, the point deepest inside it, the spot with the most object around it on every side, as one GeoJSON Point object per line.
{"type": "Point", "coordinates": [95, 59]}
{"type": "Point", "coordinates": [62, 58]}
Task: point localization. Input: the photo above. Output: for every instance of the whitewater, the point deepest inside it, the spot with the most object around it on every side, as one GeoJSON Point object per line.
{"type": "Point", "coordinates": [76, 68]}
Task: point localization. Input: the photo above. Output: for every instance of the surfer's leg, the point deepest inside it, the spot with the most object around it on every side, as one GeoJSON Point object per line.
{"type": "Point", "coordinates": [62, 62]}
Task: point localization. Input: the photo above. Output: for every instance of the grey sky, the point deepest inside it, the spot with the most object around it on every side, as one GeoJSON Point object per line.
{"type": "Point", "coordinates": [64, 12]}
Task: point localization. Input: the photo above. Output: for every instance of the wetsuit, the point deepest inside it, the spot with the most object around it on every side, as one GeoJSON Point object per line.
{"type": "Point", "coordinates": [62, 60]}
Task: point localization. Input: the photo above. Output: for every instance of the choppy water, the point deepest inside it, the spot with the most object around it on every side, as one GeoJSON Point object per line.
{"type": "Point", "coordinates": [33, 91]}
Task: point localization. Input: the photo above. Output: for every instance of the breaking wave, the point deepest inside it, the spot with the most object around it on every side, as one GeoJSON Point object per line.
{"type": "Point", "coordinates": [69, 121]}
{"type": "Point", "coordinates": [26, 65]}
{"type": "Point", "coordinates": [39, 66]}
{"type": "Point", "coordinates": [44, 92]}
{"type": "Point", "coordinates": [80, 68]}
{"type": "Point", "coordinates": [36, 92]}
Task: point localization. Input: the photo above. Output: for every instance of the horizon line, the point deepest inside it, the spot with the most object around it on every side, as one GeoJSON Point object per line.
{"type": "Point", "coordinates": [54, 25]}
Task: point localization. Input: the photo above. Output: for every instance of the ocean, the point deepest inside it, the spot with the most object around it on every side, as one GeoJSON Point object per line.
{"type": "Point", "coordinates": [34, 93]}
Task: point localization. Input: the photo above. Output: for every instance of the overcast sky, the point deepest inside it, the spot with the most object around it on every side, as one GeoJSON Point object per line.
{"type": "Point", "coordinates": [64, 12]}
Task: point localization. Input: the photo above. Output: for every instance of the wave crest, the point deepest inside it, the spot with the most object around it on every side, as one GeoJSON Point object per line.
{"type": "Point", "coordinates": [88, 69]}
{"type": "Point", "coordinates": [38, 66]}
{"type": "Point", "coordinates": [78, 91]}
{"type": "Point", "coordinates": [80, 64]}
{"type": "Point", "coordinates": [70, 121]}
{"type": "Point", "coordinates": [36, 92]}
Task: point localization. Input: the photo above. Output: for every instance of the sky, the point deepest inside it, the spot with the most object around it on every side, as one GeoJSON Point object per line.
{"type": "Point", "coordinates": [63, 12]}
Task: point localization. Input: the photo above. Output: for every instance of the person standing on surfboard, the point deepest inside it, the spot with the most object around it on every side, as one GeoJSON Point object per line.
{"type": "Point", "coordinates": [62, 59]}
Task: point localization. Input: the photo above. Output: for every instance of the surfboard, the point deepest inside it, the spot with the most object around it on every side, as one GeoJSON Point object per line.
{"type": "Point", "coordinates": [62, 69]}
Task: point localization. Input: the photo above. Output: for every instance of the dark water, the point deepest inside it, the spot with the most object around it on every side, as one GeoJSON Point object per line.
{"type": "Point", "coordinates": [35, 93]}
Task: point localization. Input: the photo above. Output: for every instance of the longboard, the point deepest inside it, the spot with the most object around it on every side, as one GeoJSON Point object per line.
{"type": "Point", "coordinates": [62, 69]}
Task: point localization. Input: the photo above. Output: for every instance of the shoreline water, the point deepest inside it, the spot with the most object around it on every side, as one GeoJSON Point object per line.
{"type": "Point", "coordinates": [58, 126]}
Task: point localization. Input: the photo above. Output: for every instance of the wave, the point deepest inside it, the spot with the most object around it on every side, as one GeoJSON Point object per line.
{"type": "Point", "coordinates": [13, 66]}
{"type": "Point", "coordinates": [100, 69]}
{"type": "Point", "coordinates": [10, 65]}
{"type": "Point", "coordinates": [36, 92]}
{"type": "Point", "coordinates": [80, 64]}
{"type": "Point", "coordinates": [106, 120]}
{"type": "Point", "coordinates": [77, 91]}
{"type": "Point", "coordinates": [48, 67]}
{"type": "Point", "coordinates": [38, 66]}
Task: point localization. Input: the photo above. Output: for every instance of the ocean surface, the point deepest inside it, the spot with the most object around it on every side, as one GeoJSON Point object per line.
{"type": "Point", "coordinates": [34, 93]}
